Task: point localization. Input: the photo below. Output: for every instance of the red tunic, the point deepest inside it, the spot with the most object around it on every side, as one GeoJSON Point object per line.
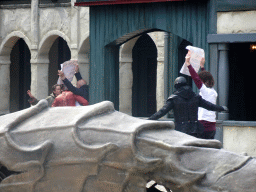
{"type": "Point", "coordinates": [67, 98]}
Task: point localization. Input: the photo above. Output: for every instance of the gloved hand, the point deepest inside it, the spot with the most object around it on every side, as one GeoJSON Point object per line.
{"type": "Point", "coordinates": [225, 109]}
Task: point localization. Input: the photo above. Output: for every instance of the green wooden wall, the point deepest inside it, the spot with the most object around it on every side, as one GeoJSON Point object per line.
{"type": "Point", "coordinates": [110, 26]}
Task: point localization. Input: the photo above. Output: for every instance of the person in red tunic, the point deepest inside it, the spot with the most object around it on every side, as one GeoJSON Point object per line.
{"type": "Point", "coordinates": [67, 98]}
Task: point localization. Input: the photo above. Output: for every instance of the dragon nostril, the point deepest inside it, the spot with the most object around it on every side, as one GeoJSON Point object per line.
{"type": "Point", "coordinates": [2, 176]}
{"type": "Point", "coordinates": [4, 172]}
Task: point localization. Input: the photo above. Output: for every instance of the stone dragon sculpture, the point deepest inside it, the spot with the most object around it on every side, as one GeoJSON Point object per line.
{"type": "Point", "coordinates": [95, 148]}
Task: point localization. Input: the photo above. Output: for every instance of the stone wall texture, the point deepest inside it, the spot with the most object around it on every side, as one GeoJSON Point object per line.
{"type": "Point", "coordinates": [236, 22]}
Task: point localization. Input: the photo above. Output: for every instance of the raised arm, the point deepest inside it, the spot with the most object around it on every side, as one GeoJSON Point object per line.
{"type": "Point", "coordinates": [202, 62]}
{"type": "Point", "coordinates": [32, 100]}
{"type": "Point", "coordinates": [69, 85]}
{"type": "Point", "coordinates": [193, 73]}
{"type": "Point", "coordinates": [77, 74]}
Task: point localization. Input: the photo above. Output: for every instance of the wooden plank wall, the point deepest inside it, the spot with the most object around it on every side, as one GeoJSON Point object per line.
{"type": "Point", "coordinates": [110, 26]}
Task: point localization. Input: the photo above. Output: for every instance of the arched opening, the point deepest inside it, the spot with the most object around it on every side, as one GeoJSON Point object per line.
{"type": "Point", "coordinates": [58, 54]}
{"type": "Point", "coordinates": [20, 76]}
{"type": "Point", "coordinates": [144, 67]}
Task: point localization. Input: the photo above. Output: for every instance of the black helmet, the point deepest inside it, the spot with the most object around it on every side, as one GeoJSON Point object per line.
{"type": "Point", "coordinates": [180, 82]}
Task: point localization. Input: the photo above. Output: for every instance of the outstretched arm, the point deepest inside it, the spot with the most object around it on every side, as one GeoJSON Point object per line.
{"type": "Point", "coordinates": [209, 106]}
{"type": "Point", "coordinates": [164, 110]}
{"type": "Point", "coordinates": [32, 100]}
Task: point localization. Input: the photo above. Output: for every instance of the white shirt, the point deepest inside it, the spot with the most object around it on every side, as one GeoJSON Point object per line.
{"type": "Point", "coordinates": [209, 94]}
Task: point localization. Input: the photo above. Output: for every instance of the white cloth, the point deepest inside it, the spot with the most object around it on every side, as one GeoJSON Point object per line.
{"type": "Point", "coordinates": [68, 68]}
{"type": "Point", "coordinates": [195, 58]}
{"type": "Point", "coordinates": [209, 94]}
{"type": "Point", "coordinates": [77, 104]}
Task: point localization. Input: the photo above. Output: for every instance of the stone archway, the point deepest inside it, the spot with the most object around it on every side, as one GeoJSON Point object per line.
{"type": "Point", "coordinates": [144, 77]}
{"type": "Point", "coordinates": [40, 64]}
{"type": "Point", "coordinates": [158, 38]}
{"type": "Point", "coordinates": [5, 50]}
{"type": "Point", "coordinates": [126, 76]}
{"type": "Point", "coordinates": [58, 54]}
{"type": "Point", "coordinates": [20, 76]}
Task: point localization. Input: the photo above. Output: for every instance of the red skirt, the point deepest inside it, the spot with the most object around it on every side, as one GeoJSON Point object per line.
{"type": "Point", "coordinates": [208, 126]}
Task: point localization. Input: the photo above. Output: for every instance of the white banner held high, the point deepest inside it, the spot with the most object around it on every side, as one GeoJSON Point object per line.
{"type": "Point", "coordinates": [196, 55]}
{"type": "Point", "coordinates": [68, 69]}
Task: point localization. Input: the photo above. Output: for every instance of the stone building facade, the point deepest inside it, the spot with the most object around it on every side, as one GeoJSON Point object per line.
{"type": "Point", "coordinates": [40, 25]}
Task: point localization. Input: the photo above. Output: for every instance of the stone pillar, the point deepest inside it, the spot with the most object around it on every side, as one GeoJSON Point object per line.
{"type": "Point", "coordinates": [160, 84]}
{"type": "Point", "coordinates": [4, 85]}
{"type": "Point", "coordinates": [39, 80]}
{"type": "Point", "coordinates": [74, 30]}
{"type": "Point", "coordinates": [125, 86]}
{"type": "Point", "coordinates": [166, 64]}
{"type": "Point", "coordinates": [35, 21]}
{"type": "Point", "coordinates": [84, 68]}
{"type": "Point", "coordinates": [160, 99]}
{"type": "Point", "coordinates": [223, 79]}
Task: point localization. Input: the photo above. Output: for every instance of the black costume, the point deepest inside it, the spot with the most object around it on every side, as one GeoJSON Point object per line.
{"type": "Point", "coordinates": [185, 103]}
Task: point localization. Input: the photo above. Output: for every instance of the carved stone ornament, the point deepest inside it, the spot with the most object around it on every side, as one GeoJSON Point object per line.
{"type": "Point", "coordinates": [97, 149]}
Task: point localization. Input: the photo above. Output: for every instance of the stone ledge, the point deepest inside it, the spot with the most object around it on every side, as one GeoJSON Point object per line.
{"type": "Point", "coordinates": [239, 123]}
{"type": "Point", "coordinates": [55, 5]}
{"type": "Point", "coordinates": [15, 6]}
{"type": "Point", "coordinates": [23, 6]}
{"type": "Point", "coordinates": [223, 123]}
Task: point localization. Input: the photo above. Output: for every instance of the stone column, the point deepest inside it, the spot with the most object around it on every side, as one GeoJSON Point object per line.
{"type": "Point", "coordinates": [166, 64]}
{"type": "Point", "coordinates": [35, 21]}
{"type": "Point", "coordinates": [74, 29]}
{"type": "Point", "coordinates": [84, 68]}
{"type": "Point", "coordinates": [4, 85]}
{"type": "Point", "coordinates": [160, 99]}
{"type": "Point", "coordinates": [160, 84]}
{"type": "Point", "coordinates": [39, 80]}
{"type": "Point", "coordinates": [223, 79]}
{"type": "Point", "coordinates": [125, 86]}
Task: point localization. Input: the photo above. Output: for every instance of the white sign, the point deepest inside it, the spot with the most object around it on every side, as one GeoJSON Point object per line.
{"type": "Point", "coordinates": [68, 69]}
{"type": "Point", "coordinates": [196, 55]}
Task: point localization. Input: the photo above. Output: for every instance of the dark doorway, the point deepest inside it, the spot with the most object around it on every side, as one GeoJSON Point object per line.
{"type": "Point", "coordinates": [59, 53]}
{"type": "Point", "coordinates": [182, 51]}
{"type": "Point", "coordinates": [20, 76]}
{"type": "Point", "coordinates": [242, 102]}
{"type": "Point", "coordinates": [144, 67]}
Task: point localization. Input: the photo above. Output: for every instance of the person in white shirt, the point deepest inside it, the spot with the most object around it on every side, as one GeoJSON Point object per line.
{"type": "Point", "coordinates": [205, 82]}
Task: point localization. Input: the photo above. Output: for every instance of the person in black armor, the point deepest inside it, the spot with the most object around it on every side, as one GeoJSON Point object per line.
{"type": "Point", "coordinates": [185, 103]}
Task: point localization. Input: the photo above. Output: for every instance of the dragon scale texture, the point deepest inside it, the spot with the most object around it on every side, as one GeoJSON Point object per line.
{"type": "Point", "coordinates": [96, 148]}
